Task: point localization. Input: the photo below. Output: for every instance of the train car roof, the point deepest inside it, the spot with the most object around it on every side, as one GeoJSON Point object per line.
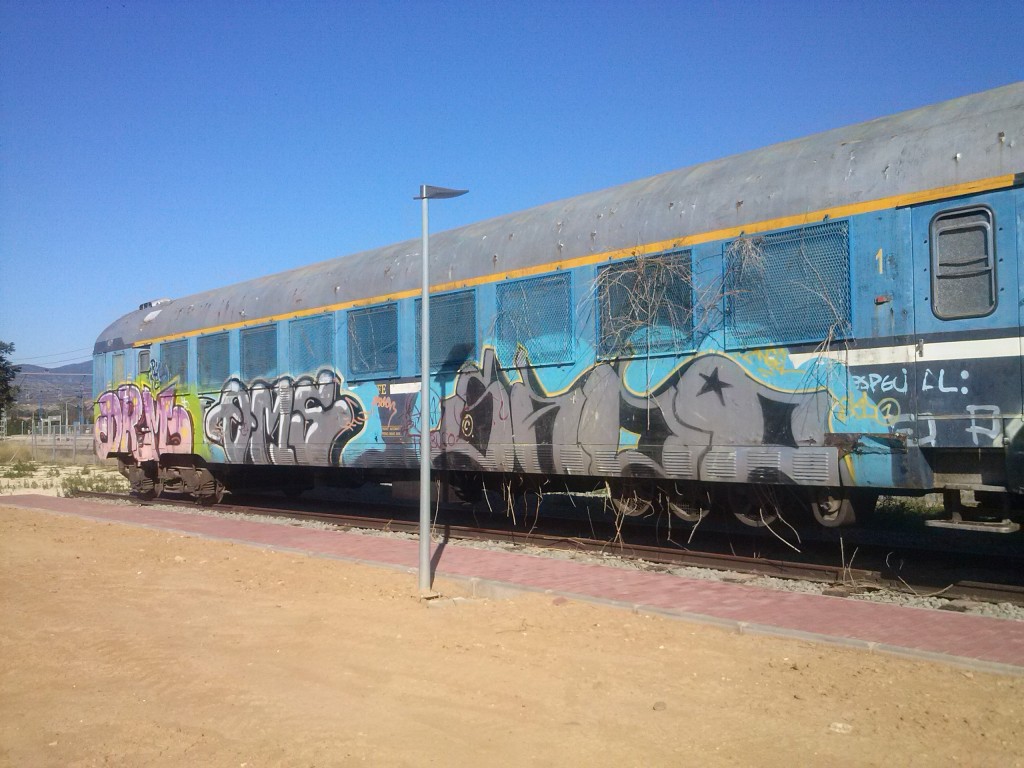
{"type": "Point", "coordinates": [943, 148]}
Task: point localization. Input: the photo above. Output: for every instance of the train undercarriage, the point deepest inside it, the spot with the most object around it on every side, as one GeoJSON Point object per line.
{"type": "Point", "coordinates": [756, 505]}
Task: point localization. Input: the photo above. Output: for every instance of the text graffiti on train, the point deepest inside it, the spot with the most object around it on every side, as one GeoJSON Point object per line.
{"type": "Point", "coordinates": [132, 420]}
{"type": "Point", "coordinates": [304, 421]}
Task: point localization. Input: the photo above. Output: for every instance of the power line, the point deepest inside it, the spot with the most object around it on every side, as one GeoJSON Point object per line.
{"type": "Point", "coordinates": [48, 373]}
{"type": "Point", "coordinates": [81, 352]}
{"type": "Point", "coordinates": [58, 363]}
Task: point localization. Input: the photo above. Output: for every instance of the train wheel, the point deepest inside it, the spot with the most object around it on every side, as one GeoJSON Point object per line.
{"type": "Point", "coordinates": [145, 480]}
{"type": "Point", "coordinates": [468, 486]}
{"type": "Point", "coordinates": [151, 490]}
{"type": "Point", "coordinates": [752, 505]}
{"type": "Point", "coordinates": [832, 511]}
{"type": "Point", "coordinates": [628, 501]}
{"type": "Point", "coordinates": [691, 505]}
{"type": "Point", "coordinates": [211, 492]}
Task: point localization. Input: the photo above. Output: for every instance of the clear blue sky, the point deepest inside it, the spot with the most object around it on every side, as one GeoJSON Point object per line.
{"type": "Point", "coordinates": [153, 149]}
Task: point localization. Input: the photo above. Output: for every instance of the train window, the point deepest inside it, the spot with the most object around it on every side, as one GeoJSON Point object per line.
{"type": "Point", "coordinates": [212, 358]}
{"type": "Point", "coordinates": [373, 339]}
{"type": "Point", "coordinates": [537, 314]}
{"type": "Point", "coordinates": [645, 305]}
{"type": "Point", "coordinates": [452, 329]}
{"type": "Point", "coordinates": [144, 362]}
{"type": "Point", "coordinates": [118, 365]}
{"type": "Point", "coordinates": [789, 287]}
{"type": "Point", "coordinates": [174, 362]}
{"type": "Point", "coordinates": [99, 375]}
{"type": "Point", "coordinates": [963, 264]}
{"type": "Point", "coordinates": [259, 352]}
{"type": "Point", "coordinates": [311, 344]}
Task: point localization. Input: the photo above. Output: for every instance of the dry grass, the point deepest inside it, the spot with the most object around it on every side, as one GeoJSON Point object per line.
{"type": "Point", "coordinates": [20, 473]}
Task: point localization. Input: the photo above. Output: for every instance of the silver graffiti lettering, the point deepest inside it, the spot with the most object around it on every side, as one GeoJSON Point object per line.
{"type": "Point", "coordinates": [229, 422]}
{"type": "Point", "coordinates": [290, 421]}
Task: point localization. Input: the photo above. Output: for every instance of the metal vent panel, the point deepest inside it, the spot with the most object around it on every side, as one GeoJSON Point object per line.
{"type": "Point", "coordinates": [373, 339]}
{"type": "Point", "coordinates": [678, 461]}
{"type": "Point", "coordinates": [259, 352]}
{"type": "Point", "coordinates": [452, 329]}
{"type": "Point", "coordinates": [720, 465]}
{"type": "Point", "coordinates": [537, 314]}
{"type": "Point", "coordinates": [508, 453]}
{"type": "Point", "coordinates": [813, 467]}
{"type": "Point", "coordinates": [572, 460]}
{"type": "Point", "coordinates": [214, 363]}
{"type": "Point", "coordinates": [310, 344]}
{"type": "Point", "coordinates": [789, 287]}
{"type": "Point", "coordinates": [645, 305]}
{"type": "Point", "coordinates": [374, 459]}
{"type": "Point", "coordinates": [174, 362]}
{"type": "Point", "coordinates": [606, 460]}
{"type": "Point", "coordinates": [758, 459]}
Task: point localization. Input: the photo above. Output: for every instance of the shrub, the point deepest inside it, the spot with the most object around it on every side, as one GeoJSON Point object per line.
{"type": "Point", "coordinates": [85, 481]}
{"type": "Point", "coordinates": [20, 469]}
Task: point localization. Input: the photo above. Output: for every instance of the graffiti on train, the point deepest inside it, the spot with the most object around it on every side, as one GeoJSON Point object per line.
{"type": "Point", "coordinates": [133, 420]}
{"type": "Point", "coordinates": [598, 425]}
{"type": "Point", "coordinates": [304, 421]}
{"type": "Point", "coordinates": [931, 381]}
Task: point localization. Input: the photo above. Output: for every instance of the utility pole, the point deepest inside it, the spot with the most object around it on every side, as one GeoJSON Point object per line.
{"type": "Point", "coordinates": [427, 192]}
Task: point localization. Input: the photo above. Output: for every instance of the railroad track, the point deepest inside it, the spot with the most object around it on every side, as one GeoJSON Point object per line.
{"type": "Point", "coordinates": [842, 580]}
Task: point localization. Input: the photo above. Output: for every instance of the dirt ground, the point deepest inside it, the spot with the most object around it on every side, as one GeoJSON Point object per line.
{"type": "Point", "coordinates": [125, 646]}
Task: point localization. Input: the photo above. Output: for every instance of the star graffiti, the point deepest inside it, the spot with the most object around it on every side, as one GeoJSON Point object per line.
{"type": "Point", "coordinates": [713, 384]}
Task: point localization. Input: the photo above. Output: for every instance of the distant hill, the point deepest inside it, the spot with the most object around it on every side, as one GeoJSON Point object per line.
{"type": "Point", "coordinates": [54, 385]}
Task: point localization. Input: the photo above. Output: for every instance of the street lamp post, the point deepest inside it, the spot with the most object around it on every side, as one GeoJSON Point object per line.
{"type": "Point", "coordinates": [427, 192]}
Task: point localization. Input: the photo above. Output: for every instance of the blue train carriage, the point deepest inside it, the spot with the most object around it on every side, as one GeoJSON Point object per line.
{"type": "Point", "coordinates": [823, 320]}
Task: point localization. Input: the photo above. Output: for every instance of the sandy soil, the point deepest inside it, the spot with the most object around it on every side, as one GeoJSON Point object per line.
{"type": "Point", "coordinates": [130, 647]}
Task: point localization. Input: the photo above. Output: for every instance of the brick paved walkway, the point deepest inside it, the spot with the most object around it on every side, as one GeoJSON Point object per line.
{"type": "Point", "coordinates": [977, 641]}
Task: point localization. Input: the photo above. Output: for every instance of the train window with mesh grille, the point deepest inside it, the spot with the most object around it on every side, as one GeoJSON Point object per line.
{"type": "Point", "coordinates": [963, 263]}
{"type": "Point", "coordinates": [118, 369]}
{"type": "Point", "coordinates": [259, 352]}
{"type": "Point", "coordinates": [311, 344]}
{"type": "Point", "coordinates": [789, 287]}
{"type": "Point", "coordinates": [452, 329]}
{"type": "Point", "coordinates": [537, 314]}
{"type": "Point", "coordinates": [174, 362]}
{"type": "Point", "coordinates": [645, 305]}
{"type": "Point", "coordinates": [213, 361]}
{"type": "Point", "coordinates": [373, 340]}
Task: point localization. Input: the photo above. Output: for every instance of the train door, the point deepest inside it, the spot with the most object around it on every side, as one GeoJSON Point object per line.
{"type": "Point", "coordinates": [1019, 194]}
{"type": "Point", "coordinates": [1015, 452]}
{"type": "Point", "coordinates": [967, 327]}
